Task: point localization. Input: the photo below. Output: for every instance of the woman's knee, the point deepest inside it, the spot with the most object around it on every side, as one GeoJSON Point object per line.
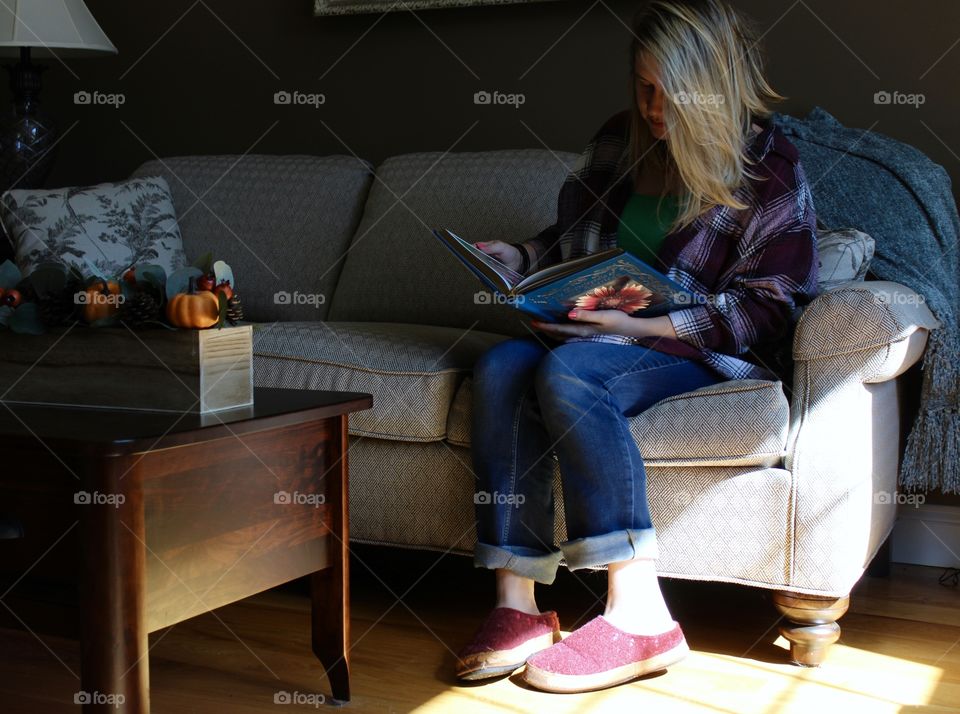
{"type": "Point", "coordinates": [564, 374]}
{"type": "Point", "coordinates": [513, 354]}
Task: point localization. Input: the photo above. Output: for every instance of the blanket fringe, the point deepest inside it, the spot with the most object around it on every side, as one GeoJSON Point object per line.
{"type": "Point", "coordinates": [932, 456]}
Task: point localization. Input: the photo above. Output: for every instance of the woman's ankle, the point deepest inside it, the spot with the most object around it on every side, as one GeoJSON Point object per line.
{"type": "Point", "coordinates": [516, 592]}
{"type": "Point", "coordinates": [635, 603]}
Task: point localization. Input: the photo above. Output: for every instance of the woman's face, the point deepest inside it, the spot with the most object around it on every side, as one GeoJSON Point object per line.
{"type": "Point", "coordinates": [649, 94]}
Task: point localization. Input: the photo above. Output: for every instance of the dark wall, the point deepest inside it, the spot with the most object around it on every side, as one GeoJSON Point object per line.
{"type": "Point", "coordinates": [200, 77]}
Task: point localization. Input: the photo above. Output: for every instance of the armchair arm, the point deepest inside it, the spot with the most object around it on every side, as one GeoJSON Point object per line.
{"type": "Point", "coordinates": [843, 448]}
{"type": "Point", "coordinates": [877, 328]}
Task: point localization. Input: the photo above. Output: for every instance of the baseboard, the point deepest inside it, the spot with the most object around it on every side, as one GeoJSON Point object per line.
{"type": "Point", "coordinates": [927, 535]}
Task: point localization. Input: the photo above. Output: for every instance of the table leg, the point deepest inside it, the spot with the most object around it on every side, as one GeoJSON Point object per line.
{"type": "Point", "coordinates": [114, 664]}
{"type": "Point", "coordinates": [330, 587]}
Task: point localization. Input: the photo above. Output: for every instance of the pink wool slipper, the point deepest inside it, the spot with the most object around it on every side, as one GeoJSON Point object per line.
{"type": "Point", "coordinates": [600, 655]}
{"type": "Point", "coordinates": [504, 642]}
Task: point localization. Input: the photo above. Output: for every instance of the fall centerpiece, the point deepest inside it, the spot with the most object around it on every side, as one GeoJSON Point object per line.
{"type": "Point", "coordinates": [141, 339]}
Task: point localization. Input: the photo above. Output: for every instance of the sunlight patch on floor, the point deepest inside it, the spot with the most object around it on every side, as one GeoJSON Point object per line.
{"type": "Point", "coordinates": [852, 680]}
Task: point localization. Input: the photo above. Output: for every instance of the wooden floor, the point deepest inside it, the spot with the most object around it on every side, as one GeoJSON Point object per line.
{"type": "Point", "coordinates": [899, 652]}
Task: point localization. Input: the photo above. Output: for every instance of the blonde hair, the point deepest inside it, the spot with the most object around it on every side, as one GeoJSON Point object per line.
{"type": "Point", "coordinates": [711, 71]}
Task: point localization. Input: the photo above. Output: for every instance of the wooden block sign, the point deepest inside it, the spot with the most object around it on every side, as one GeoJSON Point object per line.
{"type": "Point", "coordinates": [155, 370]}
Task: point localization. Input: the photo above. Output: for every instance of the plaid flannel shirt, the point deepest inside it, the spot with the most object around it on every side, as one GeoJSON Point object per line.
{"type": "Point", "coordinates": [752, 269]}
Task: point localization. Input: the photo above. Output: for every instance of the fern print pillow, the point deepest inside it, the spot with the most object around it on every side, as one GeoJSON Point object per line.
{"type": "Point", "coordinates": [102, 230]}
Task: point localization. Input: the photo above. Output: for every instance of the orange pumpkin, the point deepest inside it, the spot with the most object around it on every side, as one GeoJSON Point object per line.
{"type": "Point", "coordinates": [194, 310]}
{"type": "Point", "coordinates": [101, 300]}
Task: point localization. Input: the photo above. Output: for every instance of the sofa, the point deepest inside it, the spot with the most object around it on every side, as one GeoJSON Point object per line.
{"type": "Point", "coordinates": [785, 487]}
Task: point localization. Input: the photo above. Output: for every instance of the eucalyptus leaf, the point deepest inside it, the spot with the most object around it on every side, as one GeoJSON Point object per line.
{"type": "Point", "coordinates": [224, 273]}
{"type": "Point", "coordinates": [25, 320]}
{"type": "Point", "coordinates": [224, 304]}
{"type": "Point", "coordinates": [179, 280]}
{"type": "Point", "coordinates": [48, 278]}
{"type": "Point", "coordinates": [5, 312]}
{"type": "Point", "coordinates": [153, 274]}
{"type": "Point", "coordinates": [204, 262]}
{"type": "Point", "coordinates": [9, 275]}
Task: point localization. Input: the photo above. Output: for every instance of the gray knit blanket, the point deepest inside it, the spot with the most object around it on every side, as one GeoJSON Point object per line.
{"type": "Point", "coordinates": [890, 190]}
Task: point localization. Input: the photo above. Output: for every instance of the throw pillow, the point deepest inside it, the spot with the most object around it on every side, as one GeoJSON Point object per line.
{"type": "Point", "coordinates": [102, 230]}
{"type": "Point", "coordinates": [845, 255]}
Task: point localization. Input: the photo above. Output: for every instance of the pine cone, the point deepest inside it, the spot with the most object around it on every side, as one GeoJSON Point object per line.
{"type": "Point", "coordinates": [234, 309]}
{"type": "Point", "coordinates": [139, 309]}
{"type": "Point", "coordinates": [57, 309]}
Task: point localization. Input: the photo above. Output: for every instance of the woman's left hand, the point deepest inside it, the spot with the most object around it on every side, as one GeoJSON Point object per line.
{"type": "Point", "coordinates": [586, 323]}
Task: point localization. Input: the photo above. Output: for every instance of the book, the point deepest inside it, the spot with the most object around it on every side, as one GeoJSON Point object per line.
{"type": "Point", "coordinates": [608, 279]}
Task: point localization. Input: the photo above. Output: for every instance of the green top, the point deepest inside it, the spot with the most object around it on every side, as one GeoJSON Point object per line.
{"type": "Point", "coordinates": [640, 231]}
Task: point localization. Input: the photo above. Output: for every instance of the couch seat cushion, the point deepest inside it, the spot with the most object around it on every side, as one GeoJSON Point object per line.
{"type": "Point", "coordinates": [741, 422]}
{"type": "Point", "coordinates": [412, 371]}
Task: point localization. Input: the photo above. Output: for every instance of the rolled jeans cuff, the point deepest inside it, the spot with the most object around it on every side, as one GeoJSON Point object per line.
{"type": "Point", "coordinates": [525, 562]}
{"type": "Point", "coordinates": [594, 551]}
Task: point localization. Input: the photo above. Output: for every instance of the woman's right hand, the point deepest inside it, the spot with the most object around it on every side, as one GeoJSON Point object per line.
{"type": "Point", "coordinates": [507, 254]}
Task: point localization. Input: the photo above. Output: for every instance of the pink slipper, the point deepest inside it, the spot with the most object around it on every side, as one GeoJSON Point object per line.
{"type": "Point", "coordinates": [504, 642]}
{"type": "Point", "coordinates": [600, 655]}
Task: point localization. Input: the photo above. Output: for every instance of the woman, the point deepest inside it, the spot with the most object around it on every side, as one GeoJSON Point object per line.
{"type": "Point", "coordinates": [695, 180]}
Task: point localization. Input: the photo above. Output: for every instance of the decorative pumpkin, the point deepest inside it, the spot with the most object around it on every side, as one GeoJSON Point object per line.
{"type": "Point", "coordinates": [101, 300]}
{"type": "Point", "coordinates": [224, 288]}
{"type": "Point", "coordinates": [194, 310]}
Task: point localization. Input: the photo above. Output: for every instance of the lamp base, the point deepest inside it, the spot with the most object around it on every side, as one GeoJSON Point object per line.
{"type": "Point", "coordinates": [27, 134]}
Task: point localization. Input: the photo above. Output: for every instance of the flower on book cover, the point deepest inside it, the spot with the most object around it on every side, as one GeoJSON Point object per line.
{"type": "Point", "coordinates": [621, 294]}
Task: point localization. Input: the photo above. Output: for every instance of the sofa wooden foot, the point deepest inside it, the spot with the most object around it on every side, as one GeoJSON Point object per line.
{"type": "Point", "coordinates": [812, 624]}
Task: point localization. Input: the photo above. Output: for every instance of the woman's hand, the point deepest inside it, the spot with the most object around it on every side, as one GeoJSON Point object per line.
{"type": "Point", "coordinates": [588, 322]}
{"type": "Point", "coordinates": [507, 254]}
{"type": "Point", "coordinates": [614, 322]}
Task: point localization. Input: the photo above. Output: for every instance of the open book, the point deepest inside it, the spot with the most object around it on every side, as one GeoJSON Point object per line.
{"type": "Point", "coordinates": [608, 280]}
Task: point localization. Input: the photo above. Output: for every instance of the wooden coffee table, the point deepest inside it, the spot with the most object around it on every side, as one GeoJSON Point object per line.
{"type": "Point", "coordinates": [174, 515]}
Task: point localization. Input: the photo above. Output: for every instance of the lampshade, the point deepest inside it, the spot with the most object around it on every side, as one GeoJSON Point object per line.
{"type": "Point", "coordinates": [64, 27]}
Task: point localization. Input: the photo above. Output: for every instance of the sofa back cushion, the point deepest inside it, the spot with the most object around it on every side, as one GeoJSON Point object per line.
{"type": "Point", "coordinates": [397, 271]}
{"type": "Point", "coordinates": [283, 223]}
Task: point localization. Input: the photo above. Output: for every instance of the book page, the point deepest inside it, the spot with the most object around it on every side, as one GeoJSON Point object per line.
{"type": "Point", "coordinates": [567, 267]}
{"type": "Point", "coordinates": [510, 277]}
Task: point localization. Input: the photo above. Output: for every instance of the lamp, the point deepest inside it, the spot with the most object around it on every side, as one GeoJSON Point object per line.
{"type": "Point", "coordinates": [53, 28]}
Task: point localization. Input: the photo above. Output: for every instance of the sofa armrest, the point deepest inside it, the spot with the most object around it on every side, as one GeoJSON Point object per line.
{"type": "Point", "coordinates": [877, 328]}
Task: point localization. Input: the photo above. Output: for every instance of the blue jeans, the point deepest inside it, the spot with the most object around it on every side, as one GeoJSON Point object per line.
{"type": "Point", "coordinates": [530, 400]}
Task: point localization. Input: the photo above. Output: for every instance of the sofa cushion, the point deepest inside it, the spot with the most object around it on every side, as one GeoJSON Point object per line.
{"type": "Point", "coordinates": [282, 222]}
{"type": "Point", "coordinates": [398, 271]}
{"type": "Point", "coordinates": [412, 371]}
{"type": "Point", "coordinates": [741, 422]}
